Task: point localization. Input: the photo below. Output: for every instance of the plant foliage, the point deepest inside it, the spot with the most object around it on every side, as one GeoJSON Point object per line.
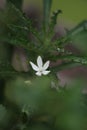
{"type": "Point", "coordinates": [28, 102]}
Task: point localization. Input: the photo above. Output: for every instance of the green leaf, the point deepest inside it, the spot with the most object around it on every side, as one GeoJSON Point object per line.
{"type": "Point", "coordinates": [16, 27]}
{"type": "Point", "coordinates": [68, 61]}
{"type": "Point", "coordinates": [73, 58]}
{"type": "Point", "coordinates": [53, 21]}
{"type": "Point", "coordinates": [72, 35]}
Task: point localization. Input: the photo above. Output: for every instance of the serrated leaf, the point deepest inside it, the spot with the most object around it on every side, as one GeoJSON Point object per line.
{"type": "Point", "coordinates": [72, 35]}
{"type": "Point", "coordinates": [54, 18]}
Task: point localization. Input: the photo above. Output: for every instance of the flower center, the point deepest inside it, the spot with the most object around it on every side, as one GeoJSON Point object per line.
{"type": "Point", "coordinates": [40, 70]}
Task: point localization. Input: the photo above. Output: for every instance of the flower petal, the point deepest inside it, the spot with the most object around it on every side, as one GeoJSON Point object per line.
{"type": "Point", "coordinates": [46, 65]}
{"type": "Point", "coordinates": [38, 73]}
{"type": "Point", "coordinates": [39, 62]}
{"type": "Point", "coordinates": [34, 66]}
{"type": "Point", "coordinates": [45, 72]}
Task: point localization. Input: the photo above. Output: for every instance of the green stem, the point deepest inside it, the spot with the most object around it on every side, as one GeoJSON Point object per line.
{"type": "Point", "coordinates": [47, 7]}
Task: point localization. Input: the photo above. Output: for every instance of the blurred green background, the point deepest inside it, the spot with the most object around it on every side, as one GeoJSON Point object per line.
{"type": "Point", "coordinates": [74, 11]}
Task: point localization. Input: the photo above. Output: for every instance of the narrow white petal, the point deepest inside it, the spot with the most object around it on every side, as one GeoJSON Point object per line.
{"type": "Point", "coordinates": [38, 73]}
{"type": "Point", "coordinates": [39, 62]}
{"type": "Point", "coordinates": [46, 65]}
{"type": "Point", "coordinates": [34, 66]}
{"type": "Point", "coordinates": [45, 72]}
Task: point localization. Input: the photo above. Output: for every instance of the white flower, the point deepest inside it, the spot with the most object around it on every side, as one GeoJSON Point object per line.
{"type": "Point", "coordinates": [40, 68]}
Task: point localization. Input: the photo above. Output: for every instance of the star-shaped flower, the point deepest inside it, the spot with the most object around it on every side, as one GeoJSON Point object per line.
{"type": "Point", "coordinates": [40, 68]}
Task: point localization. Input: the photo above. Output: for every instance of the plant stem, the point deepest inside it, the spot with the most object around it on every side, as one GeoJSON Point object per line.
{"type": "Point", "coordinates": [47, 7]}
